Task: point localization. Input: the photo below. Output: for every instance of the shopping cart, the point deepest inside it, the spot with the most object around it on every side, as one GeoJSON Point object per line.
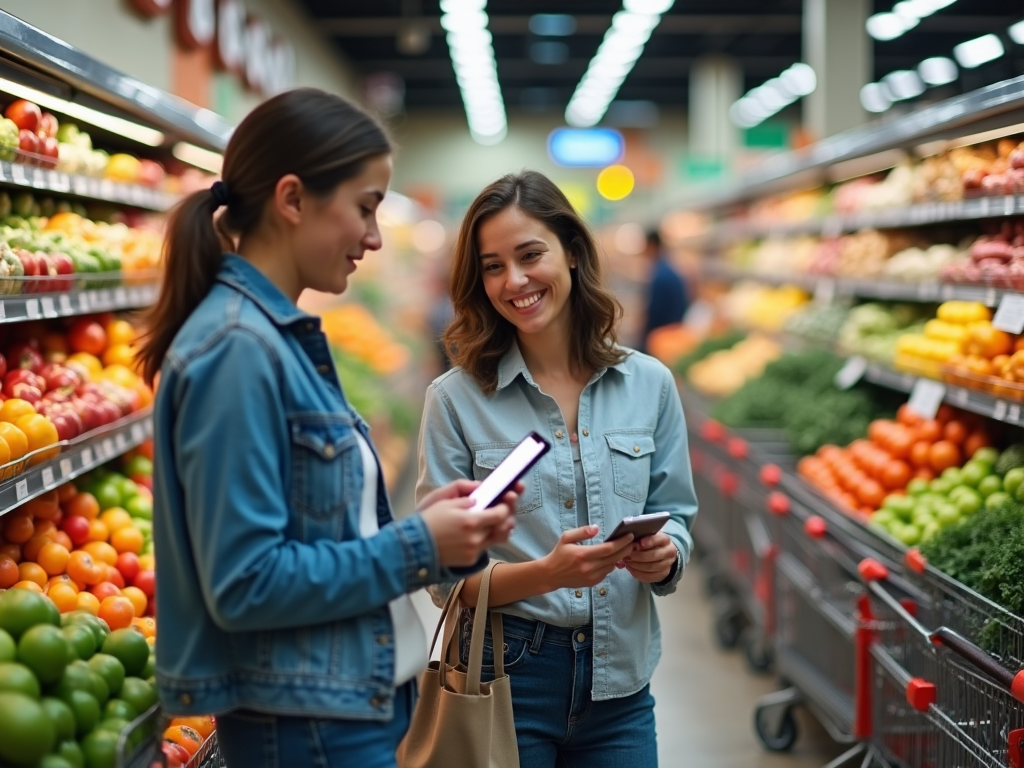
{"type": "Point", "coordinates": [940, 699]}
{"type": "Point", "coordinates": [139, 745]}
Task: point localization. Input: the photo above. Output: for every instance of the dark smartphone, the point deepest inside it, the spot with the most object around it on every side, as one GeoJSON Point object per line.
{"type": "Point", "coordinates": [509, 471]}
{"type": "Point", "coordinates": [640, 526]}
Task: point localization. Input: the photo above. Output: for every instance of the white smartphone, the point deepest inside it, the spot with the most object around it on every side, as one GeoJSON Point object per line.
{"type": "Point", "coordinates": [509, 471]}
{"type": "Point", "coordinates": [640, 526]}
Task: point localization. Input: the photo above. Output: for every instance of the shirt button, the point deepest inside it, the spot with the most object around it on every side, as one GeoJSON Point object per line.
{"type": "Point", "coordinates": [310, 327]}
{"type": "Point", "coordinates": [324, 368]}
{"type": "Point", "coordinates": [559, 434]}
{"type": "Point", "coordinates": [377, 702]}
{"type": "Point", "coordinates": [422, 574]}
{"type": "Point", "coordinates": [636, 449]}
{"type": "Point", "coordinates": [185, 699]}
{"type": "Point", "coordinates": [586, 433]}
{"type": "Point", "coordinates": [580, 637]}
{"type": "Point", "coordinates": [383, 640]}
{"type": "Point", "coordinates": [569, 503]}
{"type": "Point", "coordinates": [579, 593]}
{"type": "Point", "coordinates": [602, 591]}
{"type": "Point", "coordinates": [329, 451]}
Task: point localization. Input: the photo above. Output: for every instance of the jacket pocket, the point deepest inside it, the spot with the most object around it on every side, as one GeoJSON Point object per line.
{"type": "Point", "coordinates": [631, 462]}
{"type": "Point", "coordinates": [514, 650]}
{"type": "Point", "coordinates": [485, 459]}
{"type": "Point", "coordinates": [325, 463]}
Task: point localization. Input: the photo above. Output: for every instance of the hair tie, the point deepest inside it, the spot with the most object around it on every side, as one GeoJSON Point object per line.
{"type": "Point", "coordinates": [219, 194]}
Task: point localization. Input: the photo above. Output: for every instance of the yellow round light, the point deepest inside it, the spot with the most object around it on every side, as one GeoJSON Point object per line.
{"type": "Point", "coordinates": [615, 182]}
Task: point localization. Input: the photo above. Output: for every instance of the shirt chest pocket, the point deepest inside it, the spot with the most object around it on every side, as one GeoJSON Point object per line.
{"type": "Point", "coordinates": [631, 463]}
{"type": "Point", "coordinates": [486, 459]}
{"type": "Point", "coordinates": [326, 464]}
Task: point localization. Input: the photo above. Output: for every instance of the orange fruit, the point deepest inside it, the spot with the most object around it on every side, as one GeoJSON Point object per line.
{"type": "Point", "coordinates": [29, 585]}
{"type": "Point", "coordinates": [45, 527]}
{"type": "Point", "coordinates": [63, 579]}
{"type": "Point", "coordinates": [59, 537]}
{"type": "Point", "coordinates": [40, 433]}
{"type": "Point", "coordinates": [146, 625]}
{"type": "Point", "coordinates": [83, 569]}
{"type": "Point", "coordinates": [14, 408]}
{"type": "Point", "coordinates": [117, 611]}
{"type": "Point", "coordinates": [33, 572]}
{"type": "Point", "coordinates": [101, 551]}
{"type": "Point", "coordinates": [89, 603]}
{"type": "Point", "coordinates": [64, 597]}
{"type": "Point", "coordinates": [9, 575]}
{"type": "Point", "coordinates": [204, 725]}
{"type": "Point", "coordinates": [30, 549]}
{"type": "Point", "coordinates": [105, 589]}
{"type": "Point", "coordinates": [98, 531]}
{"type": "Point", "coordinates": [83, 504]}
{"type": "Point", "coordinates": [53, 558]}
{"type": "Point", "coordinates": [147, 563]}
{"type": "Point", "coordinates": [66, 492]}
{"type": "Point", "coordinates": [120, 354]}
{"type": "Point", "coordinates": [19, 528]}
{"type": "Point", "coordinates": [13, 551]}
{"type": "Point", "coordinates": [138, 599]}
{"type": "Point", "coordinates": [17, 442]}
{"type": "Point", "coordinates": [44, 507]}
{"type": "Point", "coordinates": [128, 539]}
{"type": "Point", "coordinates": [90, 363]}
{"type": "Point", "coordinates": [184, 736]}
{"type": "Point", "coordinates": [120, 332]}
{"type": "Point", "coordinates": [116, 518]}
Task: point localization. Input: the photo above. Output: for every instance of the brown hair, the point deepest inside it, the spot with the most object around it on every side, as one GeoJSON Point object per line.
{"type": "Point", "coordinates": [479, 337]}
{"type": "Point", "coordinates": [321, 138]}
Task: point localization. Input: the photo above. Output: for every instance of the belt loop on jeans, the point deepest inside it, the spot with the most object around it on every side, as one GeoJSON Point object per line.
{"type": "Point", "coordinates": [538, 637]}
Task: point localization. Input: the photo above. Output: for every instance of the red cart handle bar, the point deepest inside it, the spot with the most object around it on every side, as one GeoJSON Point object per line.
{"type": "Point", "coordinates": [873, 572]}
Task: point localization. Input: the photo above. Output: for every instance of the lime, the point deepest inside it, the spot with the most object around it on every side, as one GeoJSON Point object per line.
{"type": "Point", "coordinates": [140, 507]}
{"type": "Point", "coordinates": [139, 465]}
{"type": "Point", "coordinates": [82, 640]}
{"type": "Point", "coordinates": [21, 609]}
{"type": "Point", "coordinates": [130, 647]}
{"type": "Point", "coordinates": [120, 710]}
{"type": "Point", "coordinates": [100, 749]}
{"type": "Point", "coordinates": [44, 650]}
{"type": "Point", "coordinates": [108, 494]}
{"type": "Point", "coordinates": [61, 716]}
{"type": "Point", "coordinates": [150, 669]}
{"type": "Point", "coordinates": [991, 484]}
{"type": "Point", "coordinates": [110, 669]}
{"type": "Point", "coordinates": [997, 500]}
{"type": "Point", "coordinates": [76, 677]}
{"type": "Point", "coordinates": [71, 752]}
{"type": "Point", "coordinates": [114, 725]}
{"type": "Point", "coordinates": [95, 624]}
{"type": "Point", "coordinates": [138, 693]}
{"type": "Point", "coordinates": [17, 678]}
{"type": "Point", "coordinates": [86, 710]}
{"type": "Point", "coordinates": [26, 733]}
{"type": "Point", "coordinates": [8, 648]}
{"type": "Point", "coordinates": [55, 761]}
{"type": "Point", "coordinates": [100, 689]}
{"type": "Point", "coordinates": [986, 455]}
{"type": "Point", "coordinates": [128, 488]}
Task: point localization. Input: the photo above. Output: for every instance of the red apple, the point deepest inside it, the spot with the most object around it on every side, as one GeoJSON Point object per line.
{"type": "Point", "coordinates": [109, 412]}
{"type": "Point", "coordinates": [28, 143]}
{"type": "Point", "coordinates": [146, 581]}
{"type": "Point", "coordinates": [61, 377]}
{"type": "Point", "coordinates": [26, 392]}
{"type": "Point", "coordinates": [77, 529]}
{"type": "Point", "coordinates": [65, 266]}
{"type": "Point", "coordinates": [25, 115]}
{"type": "Point", "coordinates": [49, 151]}
{"type": "Point", "coordinates": [68, 425]}
{"type": "Point", "coordinates": [151, 173]}
{"type": "Point", "coordinates": [31, 265]}
{"type": "Point", "coordinates": [128, 564]}
{"type": "Point", "coordinates": [87, 412]}
{"type": "Point", "coordinates": [25, 356]}
{"type": "Point", "coordinates": [3, 366]}
{"type": "Point", "coordinates": [48, 271]}
{"type": "Point", "coordinates": [47, 126]}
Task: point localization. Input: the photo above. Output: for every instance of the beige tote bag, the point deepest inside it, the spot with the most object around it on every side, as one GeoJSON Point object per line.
{"type": "Point", "coordinates": [460, 722]}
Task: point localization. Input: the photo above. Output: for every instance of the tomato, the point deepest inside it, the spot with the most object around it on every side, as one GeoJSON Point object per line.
{"type": "Point", "coordinates": [872, 494]}
{"type": "Point", "coordinates": [53, 558]}
{"type": "Point", "coordinates": [146, 581]}
{"type": "Point", "coordinates": [45, 507]}
{"type": "Point", "coordinates": [184, 736]}
{"type": "Point", "coordinates": [924, 473]}
{"type": "Point", "coordinates": [83, 504]}
{"type": "Point", "coordinates": [929, 431]}
{"type": "Point", "coordinates": [19, 528]}
{"type": "Point", "coordinates": [103, 590]}
{"type": "Point", "coordinates": [87, 336]}
{"type": "Point", "coordinates": [101, 551]}
{"type": "Point", "coordinates": [117, 611]}
{"type": "Point", "coordinates": [945, 413]}
{"type": "Point", "coordinates": [9, 575]}
{"type": "Point", "coordinates": [944, 455]}
{"type": "Point", "coordinates": [900, 442]}
{"type": "Point", "coordinates": [955, 432]}
{"type": "Point", "coordinates": [128, 539]}
{"type": "Point", "coordinates": [77, 529]}
{"type": "Point", "coordinates": [907, 416]}
{"type": "Point", "coordinates": [98, 532]}
{"type": "Point", "coordinates": [975, 442]}
{"type": "Point", "coordinates": [895, 475]}
{"type": "Point", "coordinates": [919, 454]}
{"type": "Point", "coordinates": [128, 565]}
{"type": "Point", "coordinates": [111, 574]}
{"type": "Point", "coordinates": [83, 569]}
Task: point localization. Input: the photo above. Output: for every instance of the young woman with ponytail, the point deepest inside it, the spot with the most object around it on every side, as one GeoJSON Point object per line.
{"type": "Point", "coordinates": [284, 579]}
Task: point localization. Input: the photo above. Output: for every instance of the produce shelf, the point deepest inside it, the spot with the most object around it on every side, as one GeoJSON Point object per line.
{"type": "Point", "coordinates": [77, 457]}
{"type": "Point", "coordinates": [886, 290]}
{"type": "Point", "coordinates": [83, 301]}
{"type": "Point", "coordinates": [88, 187]}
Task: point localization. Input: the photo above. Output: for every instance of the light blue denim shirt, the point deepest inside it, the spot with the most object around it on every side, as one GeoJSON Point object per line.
{"type": "Point", "coordinates": [635, 460]}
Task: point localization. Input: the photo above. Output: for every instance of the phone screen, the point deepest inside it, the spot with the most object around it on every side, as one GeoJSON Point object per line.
{"type": "Point", "coordinates": [511, 468]}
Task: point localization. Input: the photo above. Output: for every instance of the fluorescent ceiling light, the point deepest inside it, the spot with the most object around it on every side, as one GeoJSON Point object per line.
{"type": "Point", "coordinates": [622, 45]}
{"type": "Point", "coordinates": [903, 18]}
{"type": "Point", "coordinates": [874, 97]}
{"type": "Point", "coordinates": [199, 157]}
{"type": "Point", "coordinates": [938, 70]}
{"type": "Point", "coordinates": [776, 94]}
{"type": "Point", "coordinates": [134, 131]}
{"type": "Point", "coordinates": [799, 79]}
{"type": "Point", "coordinates": [904, 84]}
{"type": "Point", "coordinates": [978, 51]}
{"type": "Point", "coordinates": [1017, 33]}
{"type": "Point", "coordinates": [472, 54]}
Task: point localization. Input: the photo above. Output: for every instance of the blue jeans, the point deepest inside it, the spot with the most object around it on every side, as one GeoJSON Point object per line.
{"type": "Point", "coordinates": [256, 740]}
{"type": "Point", "coordinates": [558, 725]}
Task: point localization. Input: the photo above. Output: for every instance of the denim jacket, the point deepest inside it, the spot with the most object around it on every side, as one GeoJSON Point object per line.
{"type": "Point", "coordinates": [268, 597]}
{"type": "Point", "coordinates": [633, 449]}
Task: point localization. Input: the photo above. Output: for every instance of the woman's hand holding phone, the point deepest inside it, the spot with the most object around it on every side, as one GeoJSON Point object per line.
{"type": "Point", "coordinates": [570, 566]}
{"type": "Point", "coordinates": [651, 559]}
{"type": "Point", "coordinates": [460, 534]}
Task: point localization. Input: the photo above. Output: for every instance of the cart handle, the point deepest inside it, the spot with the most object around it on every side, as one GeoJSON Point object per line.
{"type": "Point", "coordinates": [874, 573]}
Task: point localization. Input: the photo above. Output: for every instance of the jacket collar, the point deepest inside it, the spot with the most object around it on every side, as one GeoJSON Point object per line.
{"type": "Point", "coordinates": [512, 365]}
{"type": "Point", "coordinates": [245, 278]}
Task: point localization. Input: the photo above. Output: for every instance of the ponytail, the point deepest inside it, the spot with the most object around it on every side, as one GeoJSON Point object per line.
{"type": "Point", "coordinates": [193, 252]}
{"type": "Point", "coordinates": [321, 138]}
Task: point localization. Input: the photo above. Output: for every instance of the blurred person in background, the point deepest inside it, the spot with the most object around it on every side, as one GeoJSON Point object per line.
{"type": "Point", "coordinates": [534, 343]}
{"type": "Point", "coordinates": [667, 298]}
{"type": "Point", "coordinates": [284, 577]}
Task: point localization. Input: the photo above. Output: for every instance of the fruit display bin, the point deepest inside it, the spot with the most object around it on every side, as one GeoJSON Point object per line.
{"type": "Point", "coordinates": [139, 745]}
{"type": "Point", "coordinates": [1002, 388]}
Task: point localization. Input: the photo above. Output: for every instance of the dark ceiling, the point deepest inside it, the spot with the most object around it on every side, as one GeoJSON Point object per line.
{"type": "Point", "coordinates": [763, 35]}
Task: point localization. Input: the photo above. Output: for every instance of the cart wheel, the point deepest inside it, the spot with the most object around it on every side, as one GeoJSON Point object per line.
{"type": "Point", "coordinates": [714, 583]}
{"type": "Point", "coordinates": [776, 737]}
{"type": "Point", "coordinates": [757, 651]}
{"type": "Point", "coordinates": [728, 622]}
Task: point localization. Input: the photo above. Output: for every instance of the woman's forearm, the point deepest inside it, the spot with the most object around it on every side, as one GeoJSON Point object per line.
{"type": "Point", "coordinates": [510, 582]}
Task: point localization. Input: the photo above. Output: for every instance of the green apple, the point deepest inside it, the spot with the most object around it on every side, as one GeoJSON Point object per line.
{"type": "Point", "coordinates": [986, 455]}
{"type": "Point", "coordinates": [932, 499]}
{"type": "Point", "coordinates": [883, 518]}
{"type": "Point", "coordinates": [942, 485]}
{"type": "Point", "coordinates": [901, 505]}
{"type": "Point", "coordinates": [973, 473]}
{"type": "Point", "coordinates": [947, 514]}
{"type": "Point", "coordinates": [969, 503]}
{"type": "Point", "coordinates": [917, 486]}
{"type": "Point", "coordinates": [954, 475]}
{"type": "Point", "coordinates": [908, 534]}
{"type": "Point", "coordinates": [1013, 480]}
{"type": "Point", "coordinates": [991, 484]}
{"type": "Point", "coordinates": [930, 530]}
{"type": "Point", "coordinates": [961, 490]}
{"type": "Point", "coordinates": [997, 500]}
{"type": "Point", "coordinates": [1019, 493]}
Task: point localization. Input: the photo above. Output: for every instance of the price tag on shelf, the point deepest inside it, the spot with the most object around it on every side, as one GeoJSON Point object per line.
{"type": "Point", "coordinates": [120, 297]}
{"type": "Point", "coordinates": [824, 291]}
{"type": "Point", "coordinates": [852, 372]}
{"type": "Point", "coordinates": [926, 397]}
{"type": "Point", "coordinates": [5, 171]}
{"type": "Point", "coordinates": [1014, 415]}
{"type": "Point", "coordinates": [105, 298]}
{"type": "Point", "coordinates": [108, 448]}
{"type": "Point", "coordinates": [960, 396]}
{"type": "Point", "coordinates": [87, 457]}
{"type": "Point", "coordinates": [990, 297]}
{"type": "Point", "coordinates": [21, 490]}
{"type": "Point", "coordinates": [32, 309]}
{"type": "Point", "coordinates": [48, 478]}
{"type": "Point", "coordinates": [49, 308]}
{"type": "Point", "coordinates": [107, 188]}
{"type": "Point", "coordinates": [65, 304]}
{"type": "Point", "coordinates": [1009, 316]}
{"type": "Point", "coordinates": [999, 412]}
{"type": "Point", "coordinates": [84, 301]}
{"type": "Point", "coordinates": [121, 442]}
{"type": "Point", "coordinates": [138, 433]}
{"type": "Point", "coordinates": [66, 467]}
{"type": "Point", "coordinates": [18, 174]}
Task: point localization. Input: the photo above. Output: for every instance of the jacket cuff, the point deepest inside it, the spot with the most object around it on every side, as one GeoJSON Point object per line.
{"type": "Point", "coordinates": [668, 586]}
{"type": "Point", "coordinates": [421, 561]}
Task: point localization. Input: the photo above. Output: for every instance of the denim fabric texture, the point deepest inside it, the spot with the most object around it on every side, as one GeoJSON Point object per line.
{"type": "Point", "coordinates": [269, 600]}
{"type": "Point", "coordinates": [633, 450]}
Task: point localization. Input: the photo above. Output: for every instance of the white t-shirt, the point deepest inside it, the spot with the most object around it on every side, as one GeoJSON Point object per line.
{"type": "Point", "coordinates": [410, 637]}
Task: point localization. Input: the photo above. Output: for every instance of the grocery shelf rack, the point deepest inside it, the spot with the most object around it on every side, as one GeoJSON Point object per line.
{"type": "Point", "coordinates": [85, 187]}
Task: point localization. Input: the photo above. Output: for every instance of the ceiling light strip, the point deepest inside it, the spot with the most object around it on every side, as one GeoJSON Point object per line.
{"type": "Point", "coordinates": [904, 17]}
{"type": "Point", "coordinates": [623, 44]}
{"type": "Point", "coordinates": [472, 53]}
{"type": "Point", "coordinates": [760, 103]}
